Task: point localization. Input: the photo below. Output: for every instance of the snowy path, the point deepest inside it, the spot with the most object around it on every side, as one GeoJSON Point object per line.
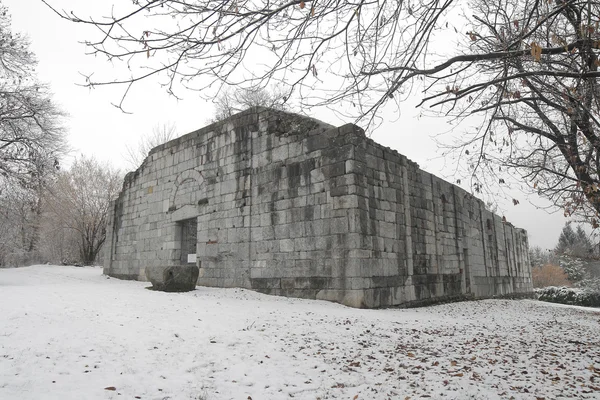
{"type": "Point", "coordinates": [69, 333]}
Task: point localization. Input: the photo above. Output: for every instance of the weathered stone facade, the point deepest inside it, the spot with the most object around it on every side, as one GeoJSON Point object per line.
{"type": "Point", "coordinates": [287, 205]}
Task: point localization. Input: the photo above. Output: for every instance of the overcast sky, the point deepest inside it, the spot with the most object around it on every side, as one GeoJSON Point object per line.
{"type": "Point", "coordinates": [96, 127]}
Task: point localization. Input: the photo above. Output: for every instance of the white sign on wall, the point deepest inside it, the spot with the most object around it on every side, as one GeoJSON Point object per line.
{"type": "Point", "coordinates": [191, 258]}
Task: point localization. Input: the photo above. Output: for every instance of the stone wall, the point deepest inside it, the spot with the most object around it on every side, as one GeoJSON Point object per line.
{"type": "Point", "coordinates": [291, 206]}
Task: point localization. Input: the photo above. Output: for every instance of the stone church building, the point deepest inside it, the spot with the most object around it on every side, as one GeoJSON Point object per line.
{"type": "Point", "coordinates": [288, 205]}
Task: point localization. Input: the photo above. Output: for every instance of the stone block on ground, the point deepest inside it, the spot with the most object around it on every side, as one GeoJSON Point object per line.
{"type": "Point", "coordinates": [180, 278]}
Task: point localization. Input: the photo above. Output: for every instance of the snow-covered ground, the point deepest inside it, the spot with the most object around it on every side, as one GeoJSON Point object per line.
{"type": "Point", "coordinates": [71, 333]}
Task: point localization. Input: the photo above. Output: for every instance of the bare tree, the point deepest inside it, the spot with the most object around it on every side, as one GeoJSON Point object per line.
{"type": "Point", "coordinates": [22, 204]}
{"type": "Point", "coordinates": [229, 102]}
{"type": "Point", "coordinates": [527, 68]}
{"type": "Point", "coordinates": [80, 200]}
{"type": "Point", "coordinates": [57, 243]}
{"type": "Point", "coordinates": [135, 155]}
{"type": "Point", "coordinates": [31, 145]}
{"type": "Point", "coordinates": [538, 93]}
{"type": "Point", "coordinates": [30, 131]}
{"type": "Point", "coordinates": [19, 224]}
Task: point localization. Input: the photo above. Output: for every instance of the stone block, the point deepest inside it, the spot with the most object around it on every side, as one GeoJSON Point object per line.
{"type": "Point", "coordinates": [356, 167]}
{"type": "Point", "coordinates": [296, 229]}
{"type": "Point", "coordinates": [336, 154]}
{"type": "Point", "coordinates": [286, 245]}
{"type": "Point", "coordinates": [282, 231]}
{"type": "Point", "coordinates": [345, 201]}
{"type": "Point", "coordinates": [173, 279]}
{"type": "Point", "coordinates": [315, 143]}
{"type": "Point", "coordinates": [333, 170]}
{"type": "Point", "coordinates": [354, 298]}
{"type": "Point", "coordinates": [280, 153]}
{"type": "Point", "coordinates": [339, 225]}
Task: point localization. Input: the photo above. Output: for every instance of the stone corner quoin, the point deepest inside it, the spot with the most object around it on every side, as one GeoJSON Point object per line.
{"type": "Point", "coordinates": [287, 205]}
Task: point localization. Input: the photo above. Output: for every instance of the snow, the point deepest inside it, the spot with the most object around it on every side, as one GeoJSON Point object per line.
{"type": "Point", "coordinates": [69, 333]}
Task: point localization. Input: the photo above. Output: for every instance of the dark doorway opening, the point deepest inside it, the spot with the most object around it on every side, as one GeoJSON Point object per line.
{"type": "Point", "coordinates": [189, 241]}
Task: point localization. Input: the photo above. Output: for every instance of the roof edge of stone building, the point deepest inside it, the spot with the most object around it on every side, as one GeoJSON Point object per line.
{"type": "Point", "coordinates": [250, 115]}
{"type": "Point", "coordinates": [250, 112]}
{"type": "Point", "coordinates": [408, 161]}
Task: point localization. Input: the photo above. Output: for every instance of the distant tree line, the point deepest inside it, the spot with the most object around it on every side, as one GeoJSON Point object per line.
{"type": "Point", "coordinates": [63, 223]}
{"type": "Point", "coordinates": [47, 214]}
{"type": "Point", "coordinates": [574, 261]}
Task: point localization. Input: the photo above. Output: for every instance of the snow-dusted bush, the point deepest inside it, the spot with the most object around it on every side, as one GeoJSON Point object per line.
{"type": "Point", "coordinates": [572, 296]}
{"type": "Point", "coordinates": [589, 284]}
{"type": "Point", "coordinates": [573, 266]}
